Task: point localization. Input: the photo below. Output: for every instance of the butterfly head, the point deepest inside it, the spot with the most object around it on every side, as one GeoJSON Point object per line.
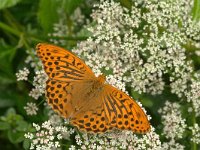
{"type": "Point", "coordinates": [102, 78]}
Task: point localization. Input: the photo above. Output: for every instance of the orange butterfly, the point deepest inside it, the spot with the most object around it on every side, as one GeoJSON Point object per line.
{"type": "Point", "coordinates": [91, 104]}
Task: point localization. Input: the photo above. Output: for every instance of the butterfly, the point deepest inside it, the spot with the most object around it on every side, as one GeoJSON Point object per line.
{"type": "Point", "coordinates": [91, 104]}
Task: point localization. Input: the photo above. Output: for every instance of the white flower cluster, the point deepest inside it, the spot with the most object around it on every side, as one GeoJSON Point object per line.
{"type": "Point", "coordinates": [117, 83]}
{"type": "Point", "coordinates": [172, 145]}
{"type": "Point", "coordinates": [193, 94]}
{"type": "Point", "coordinates": [31, 108]}
{"type": "Point", "coordinates": [22, 74]}
{"type": "Point", "coordinates": [174, 123]}
{"type": "Point", "coordinates": [47, 136]}
{"type": "Point", "coordinates": [196, 133]}
{"type": "Point", "coordinates": [63, 31]}
{"type": "Point", "coordinates": [39, 84]}
{"type": "Point", "coordinates": [59, 31]}
{"type": "Point", "coordinates": [119, 140]}
{"type": "Point", "coordinates": [140, 47]}
{"type": "Point", "coordinates": [32, 59]}
{"type": "Point", "coordinates": [193, 30]}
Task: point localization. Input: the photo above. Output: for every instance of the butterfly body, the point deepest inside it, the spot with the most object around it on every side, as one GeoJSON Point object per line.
{"type": "Point", "coordinates": [88, 101]}
{"type": "Point", "coordinates": [97, 85]}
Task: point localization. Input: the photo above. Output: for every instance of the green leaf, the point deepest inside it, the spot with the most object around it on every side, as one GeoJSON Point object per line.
{"type": "Point", "coordinates": [26, 144]}
{"type": "Point", "coordinates": [196, 10]}
{"type": "Point", "coordinates": [22, 125]}
{"type": "Point", "coordinates": [4, 125]}
{"type": "Point", "coordinates": [47, 14]}
{"type": "Point", "coordinates": [15, 136]}
{"type": "Point", "coordinates": [8, 3]}
{"type": "Point", "coordinates": [48, 11]}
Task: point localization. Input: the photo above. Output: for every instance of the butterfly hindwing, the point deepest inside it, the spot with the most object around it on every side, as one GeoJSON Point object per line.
{"type": "Point", "coordinates": [124, 112]}
{"type": "Point", "coordinates": [116, 110]}
{"type": "Point", "coordinates": [93, 120]}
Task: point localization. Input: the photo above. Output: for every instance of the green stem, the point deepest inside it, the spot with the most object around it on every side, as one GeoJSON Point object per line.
{"type": "Point", "coordinates": [7, 28]}
{"type": "Point", "coordinates": [42, 101]}
{"type": "Point", "coordinates": [196, 10]}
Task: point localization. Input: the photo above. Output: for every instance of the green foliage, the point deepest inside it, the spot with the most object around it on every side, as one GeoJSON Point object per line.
{"type": "Point", "coordinates": [196, 10]}
{"type": "Point", "coordinates": [47, 14]}
{"type": "Point", "coordinates": [8, 3]}
{"type": "Point", "coordinates": [13, 127]}
{"type": "Point", "coordinates": [7, 54]}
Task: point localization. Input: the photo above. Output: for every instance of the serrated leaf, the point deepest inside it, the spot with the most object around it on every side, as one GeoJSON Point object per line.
{"type": "Point", "coordinates": [8, 3]}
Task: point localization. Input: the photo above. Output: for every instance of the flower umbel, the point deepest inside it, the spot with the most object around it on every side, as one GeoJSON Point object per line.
{"type": "Point", "coordinates": [174, 123]}
{"type": "Point", "coordinates": [31, 109]}
{"type": "Point", "coordinates": [46, 136]}
{"type": "Point", "coordinates": [22, 74]}
{"type": "Point", "coordinates": [39, 84]}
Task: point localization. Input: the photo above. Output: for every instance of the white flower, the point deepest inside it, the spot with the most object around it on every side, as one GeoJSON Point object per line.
{"type": "Point", "coordinates": [46, 136]}
{"type": "Point", "coordinates": [39, 84]}
{"type": "Point", "coordinates": [195, 133]}
{"type": "Point", "coordinates": [31, 109]}
{"type": "Point", "coordinates": [174, 123]}
{"type": "Point", "coordinates": [22, 74]}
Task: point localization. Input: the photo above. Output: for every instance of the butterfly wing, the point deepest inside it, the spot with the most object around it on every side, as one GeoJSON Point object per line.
{"type": "Point", "coordinates": [91, 120]}
{"type": "Point", "coordinates": [123, 112]}
{"type": "Point", "coordinates": [62, 65]}
{"type": "Point", "coordinates": [65, 70]}
{"type": "Point", "coordinates": [112, 108]}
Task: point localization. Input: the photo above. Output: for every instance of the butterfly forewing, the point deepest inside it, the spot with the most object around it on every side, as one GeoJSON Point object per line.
{"type": "Point", "coordinates": [62, 65]}
{"type": "Point", "coordinates": [66, 74]}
